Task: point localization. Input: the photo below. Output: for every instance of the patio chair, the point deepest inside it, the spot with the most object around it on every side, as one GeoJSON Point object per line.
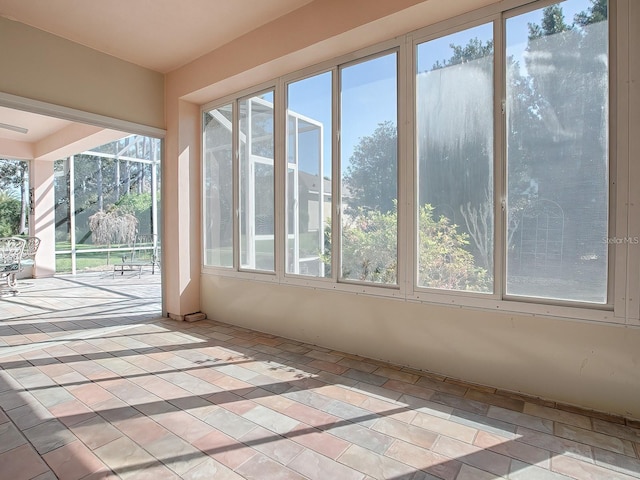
{"type": "Point", "coordinates": [28, 255]}
{"type": "Point", "coordinates": [11, 250]}
{"type": "Point", "coordinates": [143, 254]}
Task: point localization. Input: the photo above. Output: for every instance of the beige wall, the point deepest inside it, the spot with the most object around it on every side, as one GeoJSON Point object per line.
{"type": "Point", "coordinates": [588, 364]}
{"type": "Point", "coordinates": [40, 66]}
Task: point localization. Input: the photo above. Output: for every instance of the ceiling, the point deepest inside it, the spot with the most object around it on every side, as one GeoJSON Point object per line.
{"type": "Point", "coordinates": [161, 35]}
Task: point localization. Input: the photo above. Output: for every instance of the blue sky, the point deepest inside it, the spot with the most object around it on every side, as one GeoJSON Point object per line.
{"type": "Point", "coordinates": [368, 88]}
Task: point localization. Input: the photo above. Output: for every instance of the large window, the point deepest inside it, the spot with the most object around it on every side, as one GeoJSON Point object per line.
{"type": "Point", "coordinates": [557, 132]}
{"type": "Point", "coordinates": [309, 174]}
{"type": "Point", "coordinates": [15, 201]}
{"type": "Point", "coordinates": [454, 144]}
{"type": "Point", "coordinates": [369, 158]}
{"type": "Point", "coordinates": [104, 198]}
{"type": "Point", "coordinates": [218, 187]}
{"type": "Point", "coordinates": [474, 172]}
{"type": "Point", "coordinates": [257, 221]}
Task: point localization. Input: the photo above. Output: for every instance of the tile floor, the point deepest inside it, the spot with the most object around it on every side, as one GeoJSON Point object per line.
{"type": "Point", "coordinates": [95, 385]}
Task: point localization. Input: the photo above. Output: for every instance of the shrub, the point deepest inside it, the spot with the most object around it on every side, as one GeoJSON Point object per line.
{"type": "Point", "coordinates": [9, 215]}
{"type": "Point", "coordinates": [369, 251]}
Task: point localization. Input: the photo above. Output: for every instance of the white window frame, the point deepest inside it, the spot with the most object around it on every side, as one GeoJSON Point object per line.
{"type": "Point", "coordinates": [624, 259]}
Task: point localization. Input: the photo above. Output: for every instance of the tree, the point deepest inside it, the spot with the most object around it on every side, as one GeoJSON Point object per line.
{"type": "Point", "coordinates": [455, 141]}
{"type": "Point", "coordinates": [9, 214]}
{"type": "Point", "coordinates": [113, 227]}
{"type": "Point", "coordinates": [552, 23]}
{"type": "Point", "coordinates": [556, 136]}
{"type": "Point", "coordinates": [475, 49]}
{"type": "Point", "coordinates": [14, 176]}
{"type": "Point", "coordinates": [598, 12]}
{"type": "Point", "coordinates": [371, 177]}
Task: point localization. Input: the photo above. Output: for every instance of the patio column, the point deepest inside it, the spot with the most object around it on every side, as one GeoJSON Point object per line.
{"type": "Point", "coordinates": [42, 218]}
{"type": "Point", "coordinates": [181, 210]}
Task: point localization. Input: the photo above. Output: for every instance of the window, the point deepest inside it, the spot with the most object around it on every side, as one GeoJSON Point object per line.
{"type": "Point", "coordinates": [557, 144]}
{"type": "Point", "coordinates": [104, 197]}
{"type": "Point", "coordinates": [498, 151]}
{"type": "Point", "coordinates": [15, 201]}
{"type": "Point", "coordinates": [454, 144]}
{"type": "Point", "coordinates": [309, 173]}
{"type": "Point", "coordinates": [218, 187]}
{"type": "Point", "coordinates": [257, 221]}
{"type": "Point", "coordinates": [369, 165]}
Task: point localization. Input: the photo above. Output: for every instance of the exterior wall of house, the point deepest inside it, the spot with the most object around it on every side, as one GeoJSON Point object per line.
{"type": "Point", "coordinates": [40, 66]}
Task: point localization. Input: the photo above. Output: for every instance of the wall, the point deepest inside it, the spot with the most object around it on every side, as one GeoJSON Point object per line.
{"type": "Point", "coordinates": [593, 365]}
{"type": "Point", "coordinates": [41, 66]}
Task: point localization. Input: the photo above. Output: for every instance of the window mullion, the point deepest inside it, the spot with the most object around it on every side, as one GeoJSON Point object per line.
{"type": "Point", "coordinates": [336, 179]}
{"type": "Point", "coordinates": [500, 168]}
{"type": "Point", "coordinates": [279, 177]}
{"type": "Point", "coordinates": [235, 132]}
{"type": "Point", "coordinates": [406, 135]}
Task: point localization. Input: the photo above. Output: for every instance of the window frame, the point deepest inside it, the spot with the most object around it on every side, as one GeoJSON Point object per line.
{"type": "Point", "coordinates": [336, 241]}
{"type": "Point", "coordinates": [617, 310]}
{"type": "Point", "coordinates": [417, 38]}
{"type": "Point", "coordinates": [332, 132]}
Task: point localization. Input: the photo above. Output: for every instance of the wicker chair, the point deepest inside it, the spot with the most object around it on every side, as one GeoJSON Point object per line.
{"type": "Point", "coordinates": [11, 251]}
{"type": "Point", "coordinates": [28, 255]}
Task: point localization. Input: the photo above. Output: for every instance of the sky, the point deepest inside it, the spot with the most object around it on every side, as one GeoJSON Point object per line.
{"type": "Point", "coordinates": [368, 87]}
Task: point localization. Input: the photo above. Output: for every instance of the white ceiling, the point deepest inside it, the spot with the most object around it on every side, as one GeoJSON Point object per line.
{"type": "Point", "coordinates": [161, 35]}
{"type": "Point", "coordinates": [158, 34]}
{"type": "Point", "coordinates": [38, 126]}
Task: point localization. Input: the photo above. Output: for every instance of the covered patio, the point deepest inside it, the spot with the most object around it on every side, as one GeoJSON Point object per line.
{"type": "Point", "coordinates": [95, 383]}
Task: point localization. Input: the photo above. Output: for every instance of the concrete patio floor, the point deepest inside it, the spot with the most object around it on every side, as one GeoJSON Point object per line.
{"type": "Point", "coordinates": [94, 384]}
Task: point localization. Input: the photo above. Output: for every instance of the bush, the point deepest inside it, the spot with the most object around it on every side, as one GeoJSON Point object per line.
{"type": "Point", "coordinates": [443, 260]}
{"type": "Point", "coordinates": [9, 215]}
{"type": "Point", "coordinates": [369, 252]}
{"type": "Point", "coordinates": [369, 247]}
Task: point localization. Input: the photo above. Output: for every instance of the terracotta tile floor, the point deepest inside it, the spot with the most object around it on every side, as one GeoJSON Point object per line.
{"type": "Point", "coordinates": [95, 385]}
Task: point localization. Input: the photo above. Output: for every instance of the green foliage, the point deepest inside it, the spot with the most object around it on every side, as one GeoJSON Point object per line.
{"type": "Point", "coordinates": [596, 13]}
{"type": "Point", "coordinates": [369, 252]}
{"type": "Point", "coordinates": [371, 177]}
{"type": "Point", "coordinates": [475, 49]}
{"type": "Point", "coordinates": [134, 203]}
{"type": "Point", "coordinates": [443, 258]}
{"type": "Point", "coordinates": [12, 173]}
{"type": "Point", "coordinates": [552, 23]}
{"type": "Point", "coordinates": [9, 215]}
{"type": "Point", "coordinates": [369, 247]}
{"type": "Point", "coordinates": [14, 178]}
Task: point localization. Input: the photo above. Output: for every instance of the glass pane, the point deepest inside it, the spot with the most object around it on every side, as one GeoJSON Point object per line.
{"type": "Point", "coordinates": [257, 183]}
{"type": "Point", "coordinates": [14, 198]}
{"type": "Point", "coordinates": [454, 132]}
{"type": "Point", "coordinates": [557, 111]}
{"type": "Point", "coordinates": [61, 179]}
{"type": "Point", "coordinates": [368, 156]}
{"type": "Point", "coordinates": [309, 176]}
{"type": "Point", "coordinates": [218, 187]}
{"type": "Point", "coordinates": [114, 196]}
